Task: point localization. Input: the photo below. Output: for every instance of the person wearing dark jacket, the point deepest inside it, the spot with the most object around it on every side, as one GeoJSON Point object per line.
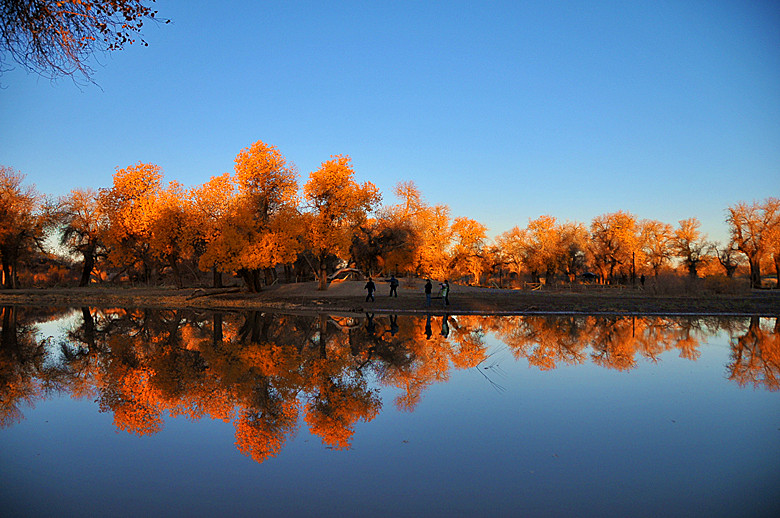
{"type": "Point", "coordinates": [393, 286]}
{"type": "Point", "coordinates": [371, 287]}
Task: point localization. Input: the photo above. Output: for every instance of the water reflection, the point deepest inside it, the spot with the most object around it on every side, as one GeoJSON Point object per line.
{"type": "Point", "coordinates": [269, 373]}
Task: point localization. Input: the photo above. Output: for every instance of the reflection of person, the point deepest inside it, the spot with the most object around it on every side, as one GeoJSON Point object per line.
{"type": "Point", "coordinates": [445, 292]}
{"type": "Point", "coordinates": [371, 287]}
{"type": "Point", "coordinates": [393, 286]}
{"type": "Point", "coordinates": [428, 329]}
{"type": "Point", "coordinates": [445, 327]}
{"type": "Point", "coordinates": [428, 290]}
{"type": "Point", "coordinates": [393, 324]}
{"type": "Point", "coordinates": [370, 327]}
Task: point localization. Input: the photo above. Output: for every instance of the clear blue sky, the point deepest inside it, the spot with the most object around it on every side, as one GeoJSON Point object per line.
{"type": "Point", "coordinates": [503, 110]}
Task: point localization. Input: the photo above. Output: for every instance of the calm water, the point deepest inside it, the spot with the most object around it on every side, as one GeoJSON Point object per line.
{"type": "Point", "coordinates": [172, 413]}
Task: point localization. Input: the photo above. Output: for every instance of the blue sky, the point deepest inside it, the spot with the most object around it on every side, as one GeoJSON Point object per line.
{"type": "Point", "coordinates": [502, 110]}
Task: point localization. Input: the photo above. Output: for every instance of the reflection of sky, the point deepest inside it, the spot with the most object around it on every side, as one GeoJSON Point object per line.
{"type": "Point", "coordinates": [668, 436]}
{"type": "Point", "coordinates": [56, 329]}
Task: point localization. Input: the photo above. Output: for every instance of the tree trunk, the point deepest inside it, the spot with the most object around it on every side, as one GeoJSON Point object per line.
{"type": "Point", "coordinates": [216, 276]}
{"type": "Point", "coordinates": [9, 275]}
{"type": "Point", "coordinates": [776, 257]}
{"type": "Point", "coordinates": [323, 278]}
{"type": "Point", "coordinates": [755, 272]}
{"type": "Point", "coordinates": [86, 272]}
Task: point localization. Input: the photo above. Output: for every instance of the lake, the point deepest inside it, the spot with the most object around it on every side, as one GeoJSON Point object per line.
{"type": "Point", "coordinates": [133, 412]}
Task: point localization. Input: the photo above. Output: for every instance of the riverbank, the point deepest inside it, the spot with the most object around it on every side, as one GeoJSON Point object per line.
{"type": "Point", "coordinates": [349, 297]}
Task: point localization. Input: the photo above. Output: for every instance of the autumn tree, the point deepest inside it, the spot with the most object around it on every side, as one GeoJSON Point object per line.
{"type": "Point", "coordinates": [751, 227]}
{"type": "Point", "coordinates": [573, 249]}
{"type": "Point", "coordinates": [263, 221]}
{"type": "Point", "coordinates": [542, 247]}
{"type": "Point", "coordinates": [130, 206]}
{"type": "Point", "coordinates": [393, 238]}
{"type": "Point", "coordinates": [210, 206]}
{"type": "Point", "coordinates": [434, 236]}
{"type": "Point", "coordinates": [172, 231]}
{"type": "Point", "coordinates": [23, 222]}
{"type": "Point", "coordinates": [511, 248]}
{"type": "Point", "coordinates": [656, 238]}
{"type": "Point", "coordinates": [728, 257]}
{"type": "Point", "coordinates": [614, 243]}
{"type": "Point", "coordinates": [57, 38]}
{"type": "Point", "coordinates": [83, 226]}
{"type": "Point", "coordinates": [468, 254]}
{"type": "Point", "coordinates": [690, 245]}
{"type": "Point", "coordinates": [338, 205]}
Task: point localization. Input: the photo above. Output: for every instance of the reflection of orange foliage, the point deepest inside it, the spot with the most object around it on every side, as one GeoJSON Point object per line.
{"type": "Point", "coordinates": [755, 357]}
{"type": "Point", "coordinates": [332, 416]}
{"type": "Point", "coordinates": [137, 410]}
{"type": "Point", "coordinates": [262, 435]}
{"type": "Point", "coordinates": [259, 369]}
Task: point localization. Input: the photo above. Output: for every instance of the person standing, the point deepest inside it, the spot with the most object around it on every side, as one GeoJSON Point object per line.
{"type": "Point", "coordinates": [445, 292]}
{"type": "Point", "coordinates": [371, 287]}
{"type": "Point", "coordinates": [428, 290]}
{"type": "Point", "coordinates": [393, 286]}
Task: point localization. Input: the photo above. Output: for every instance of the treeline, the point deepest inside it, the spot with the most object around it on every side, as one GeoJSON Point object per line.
{"type": "Point", "coordinates": [261, 226]}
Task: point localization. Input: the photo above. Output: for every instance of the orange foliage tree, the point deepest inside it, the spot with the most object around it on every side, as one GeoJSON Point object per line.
{"type": "Point", "coordinates": [690, 245]}
{"type": "Point", "coordinates": [751, 228]}
{"type": "Point", "coordinates": [338, 206]}
{"type": "Point", "coordinates": [614, 244]}
{"type": "Point", "coordinates": [25, 219]}
{"type": "Point", "coordinates": [130, 207]}
{"type": "Point", "coordinates": [210, 206]}
{"type": "Point", "coordinates": [468, 254]}
{"type": "Point", "coordinates": [656, 241]}
{"type": "Point", "coordinates": [172, 230]}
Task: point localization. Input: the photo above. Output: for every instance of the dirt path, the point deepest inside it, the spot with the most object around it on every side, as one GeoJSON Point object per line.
{"type": "Point", "coordinates": [349, 297]}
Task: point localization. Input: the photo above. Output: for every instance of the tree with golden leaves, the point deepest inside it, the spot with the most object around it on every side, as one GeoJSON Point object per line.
{"type": "Point", "coordinates": [614, 243]}
{"type": "Point", "coordinates": [172, 231]}
{"type": "Point", "coordinates": [751, 228]}
{"type": "Point", "coordinates": [257, 228]}
{"type": "Point", "coordinates": [690, 245]}
{"type": "Point", "coordinates": [23, 222]}
{"type": "Point", "coordinates": [435, 237]}
{"type": "Point", "coordinates": [656, 238]}
{"type": "Point", "coordinates": [391, 240]}
{"type": "Point", "coordinates": [83, 226]}
{"type": "Point", "coordinates": [468, 254]}
{"type": "Point", "coordinates": [573, 249]}
{"type": "Point", "coordinates": [511, 248]}
{"type": "Point", "coordinates": [542, 247]}
{"type": "Point", "coordinates": [211, 204]}
{"type": "Point", "coordinates": [130, 207]}
{"type": "Point", "coordinates": [338, 205]}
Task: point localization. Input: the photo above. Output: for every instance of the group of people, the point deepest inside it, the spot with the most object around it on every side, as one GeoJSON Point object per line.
{"type": "Point", "coordinates": [444, 290]}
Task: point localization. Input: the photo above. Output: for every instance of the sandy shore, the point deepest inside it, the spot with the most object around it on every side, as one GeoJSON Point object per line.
{"type": "Point", "coordinates": [349, 297]}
